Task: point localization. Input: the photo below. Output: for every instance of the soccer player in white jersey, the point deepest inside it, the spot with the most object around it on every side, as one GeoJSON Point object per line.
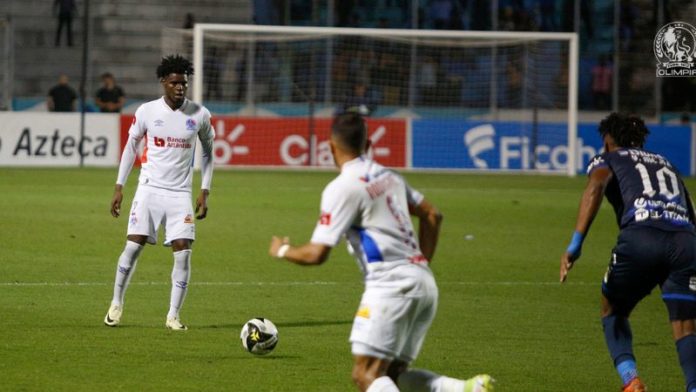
{"type": "Point", "coordinates": [371, 206]}
{"type": "Point", "coordinates": [170, 126]}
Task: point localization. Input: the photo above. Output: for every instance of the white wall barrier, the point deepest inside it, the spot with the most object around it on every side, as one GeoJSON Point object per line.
{"type": "Point", "coordinates": [53, 139]}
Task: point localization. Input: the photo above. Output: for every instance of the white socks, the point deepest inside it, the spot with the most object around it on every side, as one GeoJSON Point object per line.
{"type": "Point", "coordinates": [383, 384]}
{"type": "Point", "coordinates": [180, 279]}
{"type": "Point", "coordinates": [415, 380]}
{"type": "Point", "coordinates": [124, 270]}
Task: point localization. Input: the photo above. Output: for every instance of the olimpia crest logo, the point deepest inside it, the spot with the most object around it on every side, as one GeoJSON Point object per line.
{"type": "Point", "coordinates": [675, 50]}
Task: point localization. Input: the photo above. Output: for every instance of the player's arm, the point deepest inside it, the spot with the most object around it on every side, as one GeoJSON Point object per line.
{"type": "Point", "coordinates": [206, 135]}
{"type": "Point", "coordinates": [430, 220]}
{"type": "Point", "coordinates": [589, 206]}
{"type": "Point", "coordinates": [130, 151]}
{"type": "Point", "coordinates": [339, 207]}
{"type": "Point", "coordinates": [307, 254]}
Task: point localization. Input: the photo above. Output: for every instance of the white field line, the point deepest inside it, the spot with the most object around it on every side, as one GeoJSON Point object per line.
{"type": "Point", "coordinates": [291, 283]}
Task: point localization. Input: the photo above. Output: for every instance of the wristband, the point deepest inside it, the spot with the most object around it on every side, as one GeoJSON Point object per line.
{"type": "Point", "coordinates": [575, 244]}
{"type": "Point", "coordinates": [282, 251]}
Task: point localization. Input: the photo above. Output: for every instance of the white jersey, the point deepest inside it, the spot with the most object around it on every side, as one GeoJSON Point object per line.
{"type": "Point", "coordinates": [370, 205]}
{"type": "Point", "coordinates": [167, 160]}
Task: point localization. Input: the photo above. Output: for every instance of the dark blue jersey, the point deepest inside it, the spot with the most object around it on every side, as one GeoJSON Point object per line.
{"type": "Point", "coordinates": [645, 190]}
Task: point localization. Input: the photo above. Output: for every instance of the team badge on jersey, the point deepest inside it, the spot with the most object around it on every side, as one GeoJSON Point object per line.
{"type": "Point", "coordinates": [190, 124]}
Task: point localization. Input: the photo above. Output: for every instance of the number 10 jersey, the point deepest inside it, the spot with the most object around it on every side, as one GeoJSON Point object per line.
{"type": "Point", "coordinates": [645, 190]}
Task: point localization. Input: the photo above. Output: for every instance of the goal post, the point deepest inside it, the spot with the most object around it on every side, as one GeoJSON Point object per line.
{"type": "Point", "coordinates": [519, 87]}
{"type": "Point", "coordinates": [7, 63]}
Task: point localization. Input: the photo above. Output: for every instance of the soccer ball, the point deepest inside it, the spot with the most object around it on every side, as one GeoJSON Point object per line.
{"type": "Point", "coordinates": [259, 336]}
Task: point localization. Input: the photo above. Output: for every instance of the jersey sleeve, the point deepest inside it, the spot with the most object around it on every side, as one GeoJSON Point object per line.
{"type": "Point", "coordinates": [598, 161]}
{"type": "Point", "coordinates": [138, 127]}
{"type": "Point", "coordinates": [339, 206]}
{"type": "Point", "coordinates": [413, 197]}
{"type": "Point", "coordinates": [206, 134]}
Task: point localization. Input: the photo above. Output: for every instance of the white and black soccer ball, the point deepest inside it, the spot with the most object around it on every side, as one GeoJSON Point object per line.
{"type": "Point", "coordinates": [259, 336]}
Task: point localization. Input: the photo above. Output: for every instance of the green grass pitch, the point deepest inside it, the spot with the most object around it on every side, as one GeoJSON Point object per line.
{"type": "Point", "coordinates": [501, 309]}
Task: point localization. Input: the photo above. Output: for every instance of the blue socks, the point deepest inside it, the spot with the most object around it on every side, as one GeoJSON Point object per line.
{"type": "Point", "coordinates": [686, 348]}
{"type": "Point", "coordinates": [619, 339]}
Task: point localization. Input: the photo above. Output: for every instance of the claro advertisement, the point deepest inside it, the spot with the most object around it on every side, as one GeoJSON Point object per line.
{"type": "Point", "coordinates": [53, 139]}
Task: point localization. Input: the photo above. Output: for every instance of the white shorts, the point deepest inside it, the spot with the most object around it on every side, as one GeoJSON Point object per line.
{"type": "Point", "coordinates": [395, 314]}
{"type": "Point", "coordinates": [153, 207]}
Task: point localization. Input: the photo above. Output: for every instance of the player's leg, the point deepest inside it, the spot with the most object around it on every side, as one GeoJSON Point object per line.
{"type": "Point", "coordinates": [370, 373]}
{"type": "Point", "coordinates": [413, 380]}
{"type": "Point", "coordinates": [181, 275]}
{"type": "Point", "coordinates": [679, 295]}
{"type": "Point", "coordinates": [180, 234]}
{"type": "Point", "coordinates": [124, 272]}
{"type": "Point", "coordinates": [143, 220]}
{"type": "Point", "coordinates": [685, 340]}
{"type": "Point", "coordinates": [634, 270]}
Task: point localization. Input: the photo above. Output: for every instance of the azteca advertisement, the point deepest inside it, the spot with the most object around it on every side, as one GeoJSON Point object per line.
{"type": "Point", "coordinates": [286, 141]}
{"type": "Point", "coordinates": [449, 144]}
{"type": "Point", "coordinates": [53, 139]}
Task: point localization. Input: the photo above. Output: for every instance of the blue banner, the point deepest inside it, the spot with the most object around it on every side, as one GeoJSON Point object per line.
{"type": "Point", "coordinates": [451, 144]}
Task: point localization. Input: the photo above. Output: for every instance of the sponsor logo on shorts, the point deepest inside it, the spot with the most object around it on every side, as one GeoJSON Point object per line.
{"type": "Point", "coordinates": [363, 312]}
{"type": "Point", "coordinates": [133, 218]}
{"type": "Point", "coordinates": [188, 219]}
{"type": "Point", "coordinates": [692, 283]}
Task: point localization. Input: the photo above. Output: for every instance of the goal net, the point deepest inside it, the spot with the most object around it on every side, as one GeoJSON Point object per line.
{"type": "Point", "coordinates": [433, 99]}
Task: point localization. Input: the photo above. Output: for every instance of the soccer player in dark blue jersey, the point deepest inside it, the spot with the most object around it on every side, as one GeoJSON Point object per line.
{"type": "Point", "coordinates": [656, 243]}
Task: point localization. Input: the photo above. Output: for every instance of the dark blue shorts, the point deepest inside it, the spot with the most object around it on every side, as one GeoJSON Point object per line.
{"type": "Point", "coordinates": [646, 257]}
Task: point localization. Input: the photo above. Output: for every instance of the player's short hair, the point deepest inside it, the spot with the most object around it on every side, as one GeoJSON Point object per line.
{"type": "Point", "coordinates": [174, 64]}
{"type": "Point", "coordinates": [350, 131]}
{"type": "Point", "coordinates": [627, 130]}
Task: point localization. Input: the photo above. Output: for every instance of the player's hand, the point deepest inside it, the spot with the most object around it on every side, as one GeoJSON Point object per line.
{"type": "Point", "coordinates": [202, 204]}
{"type": "Point", "coordinates": [567, 263]}
{"type": "Point", "coordinates": [276, 243]}
{"type": "Point", "coordinates": [116, 202]}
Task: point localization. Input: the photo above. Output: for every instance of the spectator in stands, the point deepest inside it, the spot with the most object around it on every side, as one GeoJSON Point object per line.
{"type": "Point", "coordinates": [64, 10]}
{"type": "Point", "coordinates": [61, 97]}
{"type": "Point", "coordinates": [344, 10]}
{"type": "Point", "coordinates": [629, 14]}
{"type": "Point", "coordinates": [362, 100]}
{"type": "Point", "coordinates": [601, 84]}
{"type": "Point", "coordinates": [568, 17]}
{"type": "Point", "coordinates": [189, 21]}
{"type": "Point", "coordinates": [440, 13]}
{"type": "Point", "coordinates": [110, 98]}
{"type": "Point", "coordinates": [428, 79]}
{"type": "Point", "coordinates": [547, 11]}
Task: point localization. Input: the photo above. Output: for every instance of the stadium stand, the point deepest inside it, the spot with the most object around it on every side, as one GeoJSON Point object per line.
{"type": "Point", "coordinates": [125, 40]}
